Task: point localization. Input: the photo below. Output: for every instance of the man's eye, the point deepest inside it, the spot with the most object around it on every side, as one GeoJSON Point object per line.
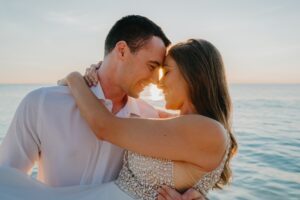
{"type": "Point", "coordinates": [151, 67]}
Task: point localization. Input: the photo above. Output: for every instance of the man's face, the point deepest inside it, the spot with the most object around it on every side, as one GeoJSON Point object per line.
{"type": "Point", "coordinates": [142, 67]}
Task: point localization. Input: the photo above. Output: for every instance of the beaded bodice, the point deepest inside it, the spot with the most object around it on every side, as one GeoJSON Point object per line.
{"type": "Point", "coordinates": [141, 176]}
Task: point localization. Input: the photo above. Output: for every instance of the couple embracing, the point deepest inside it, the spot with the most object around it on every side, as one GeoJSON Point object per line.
{"type": "Point", "coordinates": [93, 138]}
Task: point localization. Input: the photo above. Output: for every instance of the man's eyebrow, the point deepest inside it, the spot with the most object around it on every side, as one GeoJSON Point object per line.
{"type": "Point", "coordinates": [155, 63]}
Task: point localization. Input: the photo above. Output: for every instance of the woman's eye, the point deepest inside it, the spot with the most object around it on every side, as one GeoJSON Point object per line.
{"type": "Point", "coordinates": [165, 72]}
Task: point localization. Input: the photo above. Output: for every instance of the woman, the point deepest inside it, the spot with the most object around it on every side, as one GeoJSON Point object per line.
{"type": "Point", "coordinates": [190, 150]}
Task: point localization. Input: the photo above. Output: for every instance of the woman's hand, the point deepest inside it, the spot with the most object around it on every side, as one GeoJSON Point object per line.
{"type": "Point", "coordinates": [90, 76]}
{"type": "Point", "coordinates": [62, 82]}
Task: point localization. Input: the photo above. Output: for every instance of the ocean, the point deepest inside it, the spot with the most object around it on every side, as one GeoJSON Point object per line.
{"type": "Point", "coordinates": [266, 123]}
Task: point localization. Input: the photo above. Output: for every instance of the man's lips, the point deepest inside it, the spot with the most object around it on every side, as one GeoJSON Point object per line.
{"type": "Point", "coordinates": [141, 86]}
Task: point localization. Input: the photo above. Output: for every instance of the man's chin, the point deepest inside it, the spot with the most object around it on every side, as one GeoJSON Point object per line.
{"type": "Point", "coordinates": [134, 95]}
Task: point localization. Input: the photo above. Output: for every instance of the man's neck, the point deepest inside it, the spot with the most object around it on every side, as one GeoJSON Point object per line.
{"type": "Point", "coordinates": [110, 86]}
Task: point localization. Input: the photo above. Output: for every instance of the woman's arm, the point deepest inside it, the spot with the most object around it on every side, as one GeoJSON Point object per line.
{"type": "Point", "coordinates": [191, 138]}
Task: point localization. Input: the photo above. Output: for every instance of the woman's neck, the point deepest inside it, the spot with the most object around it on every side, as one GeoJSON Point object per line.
{"type": "Point", "coordinates": [187, 108]}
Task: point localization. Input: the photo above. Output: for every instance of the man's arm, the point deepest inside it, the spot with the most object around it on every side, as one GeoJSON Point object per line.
{"type": "Point", "coordinates": [20, 147]}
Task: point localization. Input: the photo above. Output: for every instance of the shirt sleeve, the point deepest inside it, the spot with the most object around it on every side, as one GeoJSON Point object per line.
{"type": "Point", "coordinates": [20, 147]}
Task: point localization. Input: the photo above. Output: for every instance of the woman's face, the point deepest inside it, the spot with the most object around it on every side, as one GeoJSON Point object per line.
{"type": "Point", "coordinates": [173, 85]}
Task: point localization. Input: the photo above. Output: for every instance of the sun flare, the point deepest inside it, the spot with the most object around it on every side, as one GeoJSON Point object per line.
{"type": "Point", "coordinates": [155, 93]}
{"type": "Point", "coordinates": [160, 73]}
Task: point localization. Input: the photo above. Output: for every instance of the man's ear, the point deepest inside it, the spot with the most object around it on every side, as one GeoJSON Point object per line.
{"type": "Point", "coordinates": [121, 49]}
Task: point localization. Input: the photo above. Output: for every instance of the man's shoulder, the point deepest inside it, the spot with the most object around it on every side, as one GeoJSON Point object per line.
{"type": "Point", "coordinates": [53, 89]}
{"type": "Point", "coordinates": [48, 90]}
{"type": "Point", "coordinates": [47, 93]}
{"type": "Point", "coordinates": [146, 109]}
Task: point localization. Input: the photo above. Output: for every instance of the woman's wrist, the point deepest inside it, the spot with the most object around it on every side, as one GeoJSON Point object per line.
{"type": "Point", "coordinates": [73, 76]}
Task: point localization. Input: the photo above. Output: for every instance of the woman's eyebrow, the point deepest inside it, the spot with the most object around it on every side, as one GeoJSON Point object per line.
{"type": "Point", "coordinates": [166, 65]}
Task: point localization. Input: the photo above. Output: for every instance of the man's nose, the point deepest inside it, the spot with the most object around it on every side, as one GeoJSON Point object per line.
{"type": "Point", "coordinates": [160, 83]}
{"type": "Point", "coordinates": [155, 77]}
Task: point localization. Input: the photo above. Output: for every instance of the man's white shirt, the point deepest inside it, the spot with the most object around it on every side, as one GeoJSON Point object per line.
{"type": "Point", "coordinates": [47, 128]}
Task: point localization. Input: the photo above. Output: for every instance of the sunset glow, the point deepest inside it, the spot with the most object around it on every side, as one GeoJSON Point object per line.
{"type": "Point", "coordinates": [258, 40]}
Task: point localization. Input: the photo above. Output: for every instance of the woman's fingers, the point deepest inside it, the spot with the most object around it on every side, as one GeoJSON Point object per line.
{"type": "Point", "coordinates": [62, 82]}
{"type": "Point", "coordinates": [91, 74]}
{"type": "Point", "coordinates": [89, 77]}
{"type": "Point", "coordinates": [99, 65]}
{"type": "Point", "coordinates": [94, 66]}
{"type": "Point", "coordinates": [87, 81]}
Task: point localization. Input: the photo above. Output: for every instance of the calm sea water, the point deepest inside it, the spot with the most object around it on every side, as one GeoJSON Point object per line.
{"type": "Point", "coordinates": [267, 126]}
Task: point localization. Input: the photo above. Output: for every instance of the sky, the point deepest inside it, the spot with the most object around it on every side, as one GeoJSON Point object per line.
{"type": "Point", "coordinates": [41, 41]}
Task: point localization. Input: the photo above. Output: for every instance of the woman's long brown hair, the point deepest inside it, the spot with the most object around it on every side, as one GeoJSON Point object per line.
{"type": "Point", "coordinates": [202, 67]}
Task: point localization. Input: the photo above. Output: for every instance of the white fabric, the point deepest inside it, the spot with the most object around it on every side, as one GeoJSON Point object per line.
{"type": "Point", "coordinates": [47, 128]}
{"type": "Point", "coordinates": [15, 185]}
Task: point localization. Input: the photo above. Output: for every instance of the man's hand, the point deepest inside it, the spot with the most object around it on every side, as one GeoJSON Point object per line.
{"type": "Point", "coordinates": [166, 193]}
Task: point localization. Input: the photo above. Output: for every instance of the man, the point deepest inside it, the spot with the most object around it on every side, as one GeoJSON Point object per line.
{"type": "Point", "coordinates": [47, 127]}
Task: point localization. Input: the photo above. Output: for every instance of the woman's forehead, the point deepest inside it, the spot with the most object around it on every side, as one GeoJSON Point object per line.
{"type": "Point", "coordinates": [169, 62]}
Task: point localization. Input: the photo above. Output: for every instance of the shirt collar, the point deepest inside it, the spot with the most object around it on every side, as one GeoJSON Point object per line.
{"type": "Point", "coordinates": [131, 107]}
{"type": "Point", "coordinates": [98, 92]}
